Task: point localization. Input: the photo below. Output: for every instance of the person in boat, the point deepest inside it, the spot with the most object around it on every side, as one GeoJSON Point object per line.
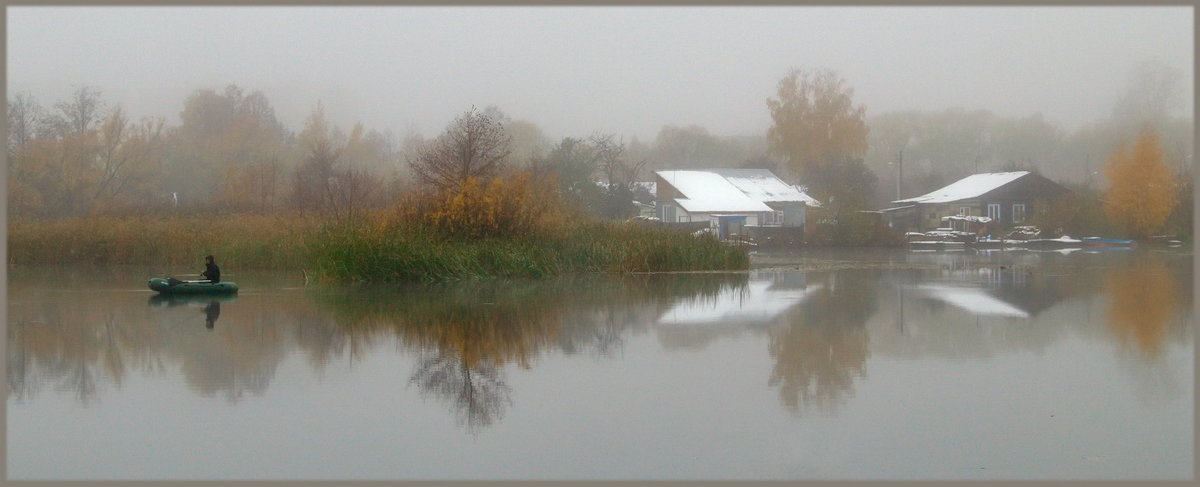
{"type": "Point", "coordinates": [211, 271]}
{"type": "Point", "coordinates": [211, 312]}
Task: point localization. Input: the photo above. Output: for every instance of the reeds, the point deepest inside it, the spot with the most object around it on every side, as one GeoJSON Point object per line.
{"type": "Point", "coordinates": [244, 241]}
{"type": "Point", "coordinates": [408, 243]}
{"type": "Point", "coordinates": [399, 254]}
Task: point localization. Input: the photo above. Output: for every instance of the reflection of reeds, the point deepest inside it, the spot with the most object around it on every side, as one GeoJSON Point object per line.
{"type": "Point", "coordinates": [509, 322]}
{"type": "Point", "coordinates": [1142, 301]}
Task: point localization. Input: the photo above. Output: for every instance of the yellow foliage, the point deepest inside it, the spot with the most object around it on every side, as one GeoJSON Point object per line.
{"type": "Point", "coordinates": [1142, 190]}
{"type": "Point", "coordinates": [815, 121]}
{"type": "Point", "coordinates": [1143, 301]}
{"type": "Point", "coordinates": [510, 206]}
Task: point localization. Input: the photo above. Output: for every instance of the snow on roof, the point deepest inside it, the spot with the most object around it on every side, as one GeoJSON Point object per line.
{"type": "Point", "coordinates": [968, 218]}
{"type": "Point", "coordinates": [650, 186]}
{"type": "Point", "coordinates": [709, 192]}
{"type": "Point", "coordinates": [763, 185]}
{"type": "Point", "coordinates": [971, 186]}
{"type": "Point", "coordinates": [974, 300]}
{"type": "Point", "coordinates": [756, 303]}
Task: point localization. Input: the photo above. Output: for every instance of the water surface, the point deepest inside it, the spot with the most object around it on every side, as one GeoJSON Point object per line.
{"type": "Point", "coordinates": [876, 365]}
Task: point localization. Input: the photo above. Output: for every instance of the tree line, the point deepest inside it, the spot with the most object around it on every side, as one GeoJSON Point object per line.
{"type": "Point", "coordinates": [230, 153]}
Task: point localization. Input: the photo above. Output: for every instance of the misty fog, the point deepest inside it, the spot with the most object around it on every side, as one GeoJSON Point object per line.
{"type": "Point", "coordinates": [951, 90]}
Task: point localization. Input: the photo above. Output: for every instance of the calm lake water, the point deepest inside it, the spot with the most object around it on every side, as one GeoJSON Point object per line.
{"type": "Point", "coordinates": [879, 365]}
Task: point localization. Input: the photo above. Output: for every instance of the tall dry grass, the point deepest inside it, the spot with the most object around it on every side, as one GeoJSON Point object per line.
{"type": "Point", "coordinates": [243, 240]}
{"type": "Point", "coordinates": [506, 227]}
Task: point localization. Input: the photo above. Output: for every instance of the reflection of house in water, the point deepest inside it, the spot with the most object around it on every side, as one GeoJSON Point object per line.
{"type": "Point", "coordinates": [1008, 284]}
{"type": "Point", "coordinates": [974, 300]}
{"type": "Point", "coordinates": [694, 321]}
{"type": "Point", "coordinates": [1009, 292]}
{"type": "Point", "coordinates": [978, 305]}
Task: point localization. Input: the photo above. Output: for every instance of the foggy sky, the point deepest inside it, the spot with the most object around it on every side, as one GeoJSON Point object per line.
{"type": "Point", "coordinates": [577, 70]}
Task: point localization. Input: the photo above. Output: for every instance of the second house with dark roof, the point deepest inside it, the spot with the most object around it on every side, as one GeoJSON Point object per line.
{"type": "Point", "coordinates": [1001, 200]}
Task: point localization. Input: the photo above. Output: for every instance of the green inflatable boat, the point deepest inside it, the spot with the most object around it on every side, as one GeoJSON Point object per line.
{"type": "Point", "coordinates": [174, 286]}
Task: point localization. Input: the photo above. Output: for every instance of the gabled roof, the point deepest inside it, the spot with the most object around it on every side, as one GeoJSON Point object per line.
{"type": "Point", "coordinates": [763, 185]}
{"type": "Point", "coordinates": [731, 190]}
{"type": "Point", "coordinates": [709, 192]}
{"type": "Point", "coordinates": [972, 186]}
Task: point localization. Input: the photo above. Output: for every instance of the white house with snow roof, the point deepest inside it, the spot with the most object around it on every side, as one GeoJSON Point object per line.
{"type": "Point", "coordinates": [729, 200]}
{"type": "Point", "coordinates": [1000, 199]}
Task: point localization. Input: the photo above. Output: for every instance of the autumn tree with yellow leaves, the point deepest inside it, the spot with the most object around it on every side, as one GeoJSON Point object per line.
{"type": "Point", "coordinates": [1142, 191]}
{"type": "Point", "coordinates": [816, 123]}
{"type": "Point", "coordinates": [822, 135]}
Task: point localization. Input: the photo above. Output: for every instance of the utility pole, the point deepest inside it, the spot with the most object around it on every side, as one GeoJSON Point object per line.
{"type": "Point", "coordinates": [1087, 170]}
{"type": "Point", "coordinates": [899, 171]}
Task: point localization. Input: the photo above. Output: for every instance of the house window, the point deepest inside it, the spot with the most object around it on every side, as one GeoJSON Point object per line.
{"type": "Point", "coordinates": [964, 211]}
{"type": "Point", "coordinates": [994, 211]}
{"type": "Point", "coordinates": [668, 213]}
{"type": "Point", "coordinates": [773, 218]}
{"type": "Point", "coordinates": [1018, 214]}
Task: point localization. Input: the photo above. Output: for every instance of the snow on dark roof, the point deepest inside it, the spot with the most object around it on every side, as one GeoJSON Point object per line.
{"type": "Point", "coordinates": [969, 187]}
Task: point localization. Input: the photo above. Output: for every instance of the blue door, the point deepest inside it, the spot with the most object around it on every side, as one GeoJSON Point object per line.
{"type": "Point", "coordinates": [727, 225]}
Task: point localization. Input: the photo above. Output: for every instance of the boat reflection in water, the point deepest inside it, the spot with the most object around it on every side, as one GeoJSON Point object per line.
{"type": "Point", "coordinates": [210, 303]}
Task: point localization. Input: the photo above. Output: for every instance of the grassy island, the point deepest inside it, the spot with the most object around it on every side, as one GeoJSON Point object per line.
{"type": "Point", "coordinates": [374, 248]}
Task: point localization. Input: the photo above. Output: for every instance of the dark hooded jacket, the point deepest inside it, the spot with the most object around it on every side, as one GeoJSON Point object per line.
{"type": "Point", "coordinates": [212, 273]}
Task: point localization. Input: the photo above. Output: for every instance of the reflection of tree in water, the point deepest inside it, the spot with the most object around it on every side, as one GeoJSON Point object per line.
{"type": "Point", "coordinates": [467, 333]}
{"type": "Point", "coordinates": [96, 339]}
{"type": "Point", "coordinates": [57, 345]}
{"type": "Point", "coordinates": [471, 330]}
{"type": "Point", "coordinates": [1143, 302]}
{"type": "Point", "coordinates": [478, 394]}
{"type": "Point", "coordinates": [823, 347]}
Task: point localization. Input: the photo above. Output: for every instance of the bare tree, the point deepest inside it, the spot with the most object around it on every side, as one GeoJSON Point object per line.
{"type": "Point", "coordinates": [125, 151]}
{"type": "Point", "coordinates": [610, 157]}
{"type": "Point", "coordinates": [353, 189]}
{"type": "Point", "coordinates": [81, 111]}
{"type": "Point", "coordinates": [24, 114]}
{"type": "Point", "coordinates": [316, 177]}
{"type": "Point", "coordinates": [473, 146]}
{"type": "Point", "coordinates": [113, 133]}
{"type": "Point", "coordinates": [620, 175]}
